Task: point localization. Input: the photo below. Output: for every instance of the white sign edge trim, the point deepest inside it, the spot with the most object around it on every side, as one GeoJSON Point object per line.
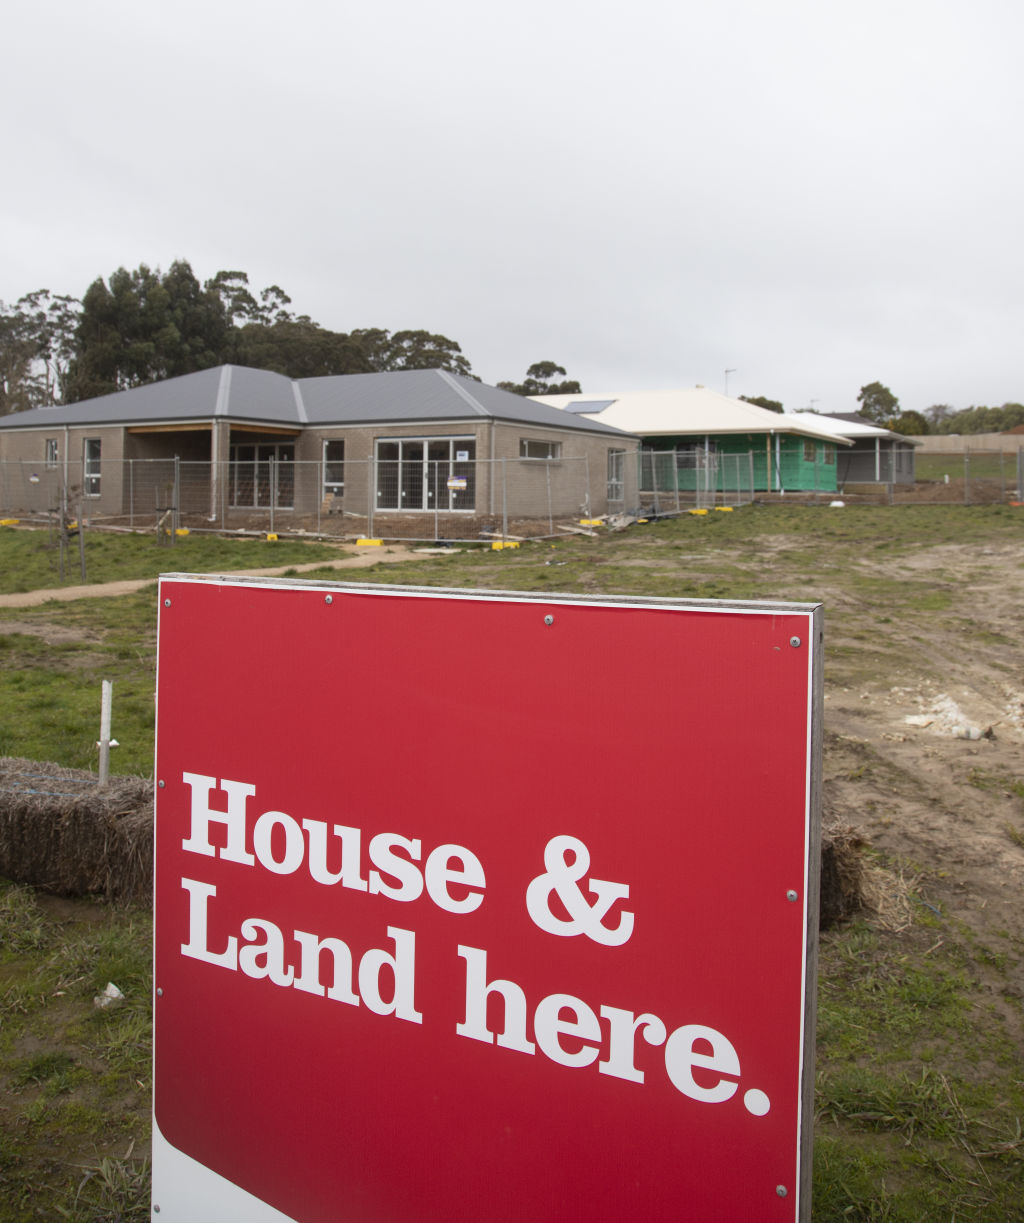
{"type": "Point", "coordinates": [186, 1191]}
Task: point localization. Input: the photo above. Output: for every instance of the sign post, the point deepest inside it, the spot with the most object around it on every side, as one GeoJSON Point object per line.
{"type": "Point", "coordinates": [483, 906]}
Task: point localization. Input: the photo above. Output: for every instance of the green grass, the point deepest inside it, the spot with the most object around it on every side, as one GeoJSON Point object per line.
{"type": "Point", "coordinates": [74, 1080]}
{"type": "Point", "coordinates": [30, 559]}
{"type": "Point", "coordinates": [51, 677]}
{"type": "Point", "coordinates": [54, 658]}
{"type": "Point", "coordinates": [984, 466]}
{"type": "Point", "coordinates": [920, 1089]}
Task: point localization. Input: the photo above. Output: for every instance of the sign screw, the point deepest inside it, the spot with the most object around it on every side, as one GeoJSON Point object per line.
{"type": "Point", "coordinates": [159, 992]}
{"type": "Point", "coordinates": [781, 1190]}
{"type": "Point", "coordinates": [161, 784]}
{"type": "Point", "coordinates": [549, 619]}
{"type": "Point", "coordinates": [329, 599]}
{"type": "Point", "coordinates": [791, 895]}
{"type": "Point", "coordinates": [795, 642]}
{"type": "Point", "coordinates": [167, 602]}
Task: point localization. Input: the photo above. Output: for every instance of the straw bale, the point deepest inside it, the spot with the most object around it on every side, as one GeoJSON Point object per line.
{"type": "Point", "coordinates": [61, 832]}
{"type": "Point", "coordinates": [842, 873]}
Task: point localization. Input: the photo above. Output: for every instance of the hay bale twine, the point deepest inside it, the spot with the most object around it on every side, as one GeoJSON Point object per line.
{"type": "Point", "coordinates": [59, 831]}
{"type": "Point", "coordinates": [842, 873]}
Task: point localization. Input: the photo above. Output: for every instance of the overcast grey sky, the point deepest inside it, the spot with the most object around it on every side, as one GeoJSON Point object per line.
{"type": "Point", "coordinates": [816, 195]}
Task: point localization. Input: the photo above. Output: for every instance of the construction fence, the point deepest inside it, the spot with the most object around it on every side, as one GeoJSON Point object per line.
{"type": "Point", "coordinates": [392, 499]}
{"type": "Point", "coordinates": [672, 481]}
{"type": "Point", "coordinates": [966, 477]}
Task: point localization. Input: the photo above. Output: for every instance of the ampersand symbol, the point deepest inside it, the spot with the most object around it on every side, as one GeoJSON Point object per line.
{"type": "Point", "coordinates": [562, 876]}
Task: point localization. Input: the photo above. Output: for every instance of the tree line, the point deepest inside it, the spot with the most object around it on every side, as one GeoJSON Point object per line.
{"type": "Point", "coordinates": [880, 405]}
{"type": "Point", "coordinates": [877, 403]}
{"type": "Point", "coordinates": [142, 326]}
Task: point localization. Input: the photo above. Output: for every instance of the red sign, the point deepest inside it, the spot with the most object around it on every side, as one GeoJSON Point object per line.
{"type": "Point", "coordinates": [483, 907]}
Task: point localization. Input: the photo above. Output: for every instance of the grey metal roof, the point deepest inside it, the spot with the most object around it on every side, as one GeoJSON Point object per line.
{"type": "Point", "coordinates": [424, 395]}
{"type": "Point", "coordinates": [227, 390]}
{"type": "Point", "coordinates": [239, 393]}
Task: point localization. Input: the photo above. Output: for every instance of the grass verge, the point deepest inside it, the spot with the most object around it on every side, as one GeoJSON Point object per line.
{"type": "Point", "coordinates": [920, 1090]}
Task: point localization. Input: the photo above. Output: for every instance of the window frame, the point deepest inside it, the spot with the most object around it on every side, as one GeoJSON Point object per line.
{"type": "Point", "coordinates": [333, 487]}
{"type": "Point", "coordinates": [421, 477]}
{"type": "Point", "coordinates": [262, 477]}
{"type": "Point", "coordinates": [92, 485]}
{"type": "Point", "coordinates": [616, 475]}
{"type": "Point", "coordinates": [553, 450]}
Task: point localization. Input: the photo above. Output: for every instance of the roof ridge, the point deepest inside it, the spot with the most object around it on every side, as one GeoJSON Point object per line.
{"type": "Point", "coordinates": [300, 404]}
{"type": "Point", "coordinates": [461, 391]}
{"type": "Point", "coordinates": [221, 403]}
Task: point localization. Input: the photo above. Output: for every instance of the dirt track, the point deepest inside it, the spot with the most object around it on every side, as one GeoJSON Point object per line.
{"type": "Point", "coordinates": [362, 559]}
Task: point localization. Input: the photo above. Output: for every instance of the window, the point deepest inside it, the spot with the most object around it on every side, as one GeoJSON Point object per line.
{"type": "Point", "coordinates": [531, 448]}
{"type": "Point", "coordinates": [426, 473]}
{"type": "Point", "coordinates": [262, 474]}
{"type": "Point", "coordinates": [616, 472]}
{"type": "Point", "coordinates": [91, 466]}
{"type": "Point", "coordinates": [52, 452]}
{"type": "Point", "coordinates": [830, 455]}
{"type": "Point", "coordinates": [334, 468]}
{"type": "Point", "coordinates": [809, 452]}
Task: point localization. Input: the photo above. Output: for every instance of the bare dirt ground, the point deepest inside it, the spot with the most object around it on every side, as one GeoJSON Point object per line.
{"type": "Point", "coordinates": [925, 734]}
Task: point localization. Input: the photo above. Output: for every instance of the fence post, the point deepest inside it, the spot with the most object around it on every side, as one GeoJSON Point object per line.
{"type": "Point", "coordinates": [551, 520]}
{"type": "Point", "coordinates": [81, 538]}
{"type": "Point", "coordinates": [131, 492]}
{"type": "Point", "coordinates": [175, 520]}
{"type": "Point", "coordinates": [371, 489]}
{"type": "Point", "coordinates": [504, 499]}
{"type": "Point", "coordinates": [1020, 473]}
{"type": "Point", "coordinates": [967, 477]}
{"type": "Point", "coordinates": [437, 494]}
{"type": "Point", "coordinates": [589, 499]}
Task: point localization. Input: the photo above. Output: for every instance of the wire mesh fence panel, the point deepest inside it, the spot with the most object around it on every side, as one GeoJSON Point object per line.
{"type": "Point", "coordinates": [736, 479]}
{"type": "Point", "coordinates": [967, 477]}
{"type": "Point", "coordinates": [674, 480]}
{"type": "Point", "coordinates": [31, 490]}
{"type": "Point", "coordinates": [659, 482]}
{"type": "Point", "coordinates": [416, 498]}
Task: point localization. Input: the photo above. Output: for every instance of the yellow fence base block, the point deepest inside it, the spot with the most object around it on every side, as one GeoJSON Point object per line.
{"type": "Point", "coordinates": [723, 509]}
{"type": "Point", "coordinates": [591, 522]}
{"type": "Point", "coordinates": [696, 511]}
{"type": "Point", "coordinates": [498, 544]}
{"type": "Point", "coordinates": [9, 522]}
{"type": "Point", "coordinates": [181, 532]}
{"type": "Point", "coordinates": [271, 537]}
{"type": "Point", "coordinates": [369, 543]}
